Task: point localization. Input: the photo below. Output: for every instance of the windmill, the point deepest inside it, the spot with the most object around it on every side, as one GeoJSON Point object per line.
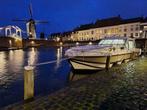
{"type": "Point", "coordinates": [31, 24]}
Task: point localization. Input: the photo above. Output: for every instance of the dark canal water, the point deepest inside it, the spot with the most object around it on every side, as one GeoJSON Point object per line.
{"type": "Point", "coordinates": [48, 78]}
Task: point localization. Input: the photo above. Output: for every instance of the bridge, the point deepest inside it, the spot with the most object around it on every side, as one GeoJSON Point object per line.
{"type": "Point", "coordinates": [10, 37]}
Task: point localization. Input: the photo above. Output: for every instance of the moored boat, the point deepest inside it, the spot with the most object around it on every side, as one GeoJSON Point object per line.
{"type": "Point", "coordinates": [108, 52]}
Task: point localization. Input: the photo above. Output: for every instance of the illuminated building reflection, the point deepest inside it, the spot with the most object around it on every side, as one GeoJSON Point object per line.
{"type": "Point", "coordinates": [59, 56]}
{"type": "Point", "coordinates": [11, 62]}
{"type": "Point", "coordinates": [3, 64]}
{"type": "Point", "coordinates": [18, 57]}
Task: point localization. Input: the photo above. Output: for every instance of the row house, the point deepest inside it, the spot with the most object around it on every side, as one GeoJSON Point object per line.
{"type": "Point", "coordinates": [116, 26]}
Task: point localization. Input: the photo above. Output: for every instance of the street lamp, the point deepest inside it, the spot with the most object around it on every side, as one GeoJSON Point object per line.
{"type": "Point", "coordinates": [58, 39]}
{"type": "Point", "coordinates": [77, 43]}
{"type": "Point", "coordinates": [140, 31]}
{"type": "Point", "coordinates": [61, 43]}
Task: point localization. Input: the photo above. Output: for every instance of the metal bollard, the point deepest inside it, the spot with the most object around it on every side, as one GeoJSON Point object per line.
{"type": "Point", "coordinates": [28, 82]}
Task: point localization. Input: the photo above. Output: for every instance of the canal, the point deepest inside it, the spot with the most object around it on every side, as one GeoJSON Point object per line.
{"type": "Point", "coordinates": [48, 78]}
{"type": "Point", "coordinates": [52, 77]}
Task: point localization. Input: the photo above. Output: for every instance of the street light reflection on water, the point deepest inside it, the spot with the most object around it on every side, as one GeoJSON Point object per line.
{"type": "Point", "coordinates": [47, 79]}
{"type": "Point", "coordinates": [59, 56]}
{"type": "Point", "coordinates": [32, 56]}
{"type": "Point", "coordinates": [2, 64]}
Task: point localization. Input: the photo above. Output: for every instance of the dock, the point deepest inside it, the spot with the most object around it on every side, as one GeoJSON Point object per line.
{"type": "Point", "coordinates": [116, 89]}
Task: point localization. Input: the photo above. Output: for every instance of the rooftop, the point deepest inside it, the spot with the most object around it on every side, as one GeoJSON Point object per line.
{"type": "Point", "coordinates": [110, 22]}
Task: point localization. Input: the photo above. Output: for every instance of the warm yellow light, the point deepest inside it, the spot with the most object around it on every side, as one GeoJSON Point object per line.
{"type": "Point", "coordinates": [32, 56]}
{"type": "Point", "coordinates": [61, 43]}
{"type": "Point", "coordinates": [16, 40]}
{"type": "Point", "coordinates": [32, 42]}
{"type": "Point", "coordinates": [10, 42]}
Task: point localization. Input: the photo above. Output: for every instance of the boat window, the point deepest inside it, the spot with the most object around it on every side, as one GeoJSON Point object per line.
{"type": "Point", "coordinates": [112, 42]}
{"type": "Point", "coordinates": [131, 44]}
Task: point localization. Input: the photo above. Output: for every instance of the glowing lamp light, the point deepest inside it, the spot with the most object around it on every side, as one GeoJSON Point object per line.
{"type": "Point", "coordinates": [61, 43]}
{"type": "Point", "coordinates": [140, 31]}
{"type": "Point", "coordinates": [90, 43]}
{"type": "Point", "coordinates": [77, 43]}
{"type": "Point", "coordinates": [10, 42]}
{"type": "Point", "coordinates": [32, 42]}
{"type": "Point", "coordinates": [58, 39]}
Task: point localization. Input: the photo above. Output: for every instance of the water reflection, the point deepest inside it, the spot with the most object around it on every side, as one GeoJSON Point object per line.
{"type": "Point", "coordinates": [77, 75]}
{"type": "Point", "coordinates": [16, 56]}
{"type": "Point", "coordinates": [11, 63]}
{"type": "Point", "coordinates": [3, 64]}
{"type": "Point", "coordinates": [32, 56]}
{"type": "Point", "coordinates": [59, 56]}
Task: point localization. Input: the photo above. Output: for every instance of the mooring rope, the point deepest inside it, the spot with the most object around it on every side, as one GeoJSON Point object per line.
{"type": "Point", "coordinates": [50, 62]}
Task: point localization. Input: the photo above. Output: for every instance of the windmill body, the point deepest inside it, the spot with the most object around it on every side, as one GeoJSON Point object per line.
{"type": "Point", "coordinates": [31, 29]}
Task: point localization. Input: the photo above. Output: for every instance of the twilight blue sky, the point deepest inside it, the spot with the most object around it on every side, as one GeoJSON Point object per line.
{"type": "Point", "coordinates": [65, 15]}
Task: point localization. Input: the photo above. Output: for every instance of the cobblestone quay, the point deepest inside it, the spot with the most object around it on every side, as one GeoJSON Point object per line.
{"type": "Point", "coordinates": [123, 87]}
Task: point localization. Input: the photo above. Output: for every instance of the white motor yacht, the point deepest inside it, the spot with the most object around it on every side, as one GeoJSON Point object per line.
{"type": "Point", "coordinates": [108, 52]}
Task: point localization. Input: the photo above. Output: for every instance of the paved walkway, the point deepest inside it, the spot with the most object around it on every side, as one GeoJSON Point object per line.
{"type": "Point", "coordinates": [121, 88]}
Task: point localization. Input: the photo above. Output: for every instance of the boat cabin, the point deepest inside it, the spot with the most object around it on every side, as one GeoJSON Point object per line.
{"type": "Point", "coordinates": [120, 42]}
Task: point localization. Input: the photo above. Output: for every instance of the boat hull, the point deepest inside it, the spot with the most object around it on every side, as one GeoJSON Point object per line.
{"type": "Point", "coordinates": [100, 62]}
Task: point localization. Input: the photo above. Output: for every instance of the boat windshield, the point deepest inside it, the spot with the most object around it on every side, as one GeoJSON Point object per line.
{"type": "Point", "coordinates": [112, 42]}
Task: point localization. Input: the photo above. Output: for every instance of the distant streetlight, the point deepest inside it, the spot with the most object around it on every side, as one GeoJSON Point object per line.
{"type": "Point", "coordinates": [77, 43]}
{"type": "Point", "coordinates": [61, 43]}
{"type": "Point", "coordinates": [140, 31]}
{"type": "Point", "coordinates": [58, 39]}
{"type": "Point", "coordinates": [32, 42]}
{"type": "Point", "coordinates": [90, 43]}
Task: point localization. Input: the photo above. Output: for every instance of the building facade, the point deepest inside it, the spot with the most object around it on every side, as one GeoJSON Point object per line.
{"type": "Point", "coordinates": [136, 28]}
{"type": "Point", "coordinates": [127, 30]}
{"type": "Point", "coordinates": [115, 26]}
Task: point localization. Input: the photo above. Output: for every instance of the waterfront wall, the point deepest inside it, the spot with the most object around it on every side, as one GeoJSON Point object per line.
{"type": "Point", "coordinates": [38, 43]}
{"type": "Point", "coordinates": [10, 42]}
